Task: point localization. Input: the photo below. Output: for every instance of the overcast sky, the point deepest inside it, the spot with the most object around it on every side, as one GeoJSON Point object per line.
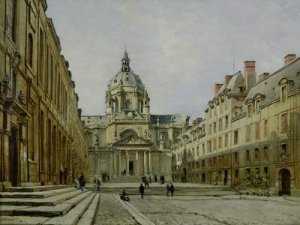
{"type": "Point", "coordinates": [180, 48]}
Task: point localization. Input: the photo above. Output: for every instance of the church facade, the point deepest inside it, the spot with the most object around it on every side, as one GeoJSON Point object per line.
{"type": "Point", "coordinates": [128, 140]}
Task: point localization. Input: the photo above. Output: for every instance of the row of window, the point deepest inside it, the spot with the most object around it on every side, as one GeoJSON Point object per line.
{"type": "Point", "coordinates": [217, 109]}
{"type": "Point", "coordinates": [48, 72]}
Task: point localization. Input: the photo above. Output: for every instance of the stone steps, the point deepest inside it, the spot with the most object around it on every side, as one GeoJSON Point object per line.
{"type": "Point", "coordinates": [64, 207]}
{"type": "Point", "coordinates": [35, 194]}
{"type": "Point", "coordinates": [34, 188]}
{"type": "Point", "coordinates": [48, 201]}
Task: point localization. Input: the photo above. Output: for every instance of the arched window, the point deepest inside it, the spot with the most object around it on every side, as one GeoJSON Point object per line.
{"type": "Point", "coordinates": [127, 104]}
{"type": "Point", "coordinates": [30, 50]}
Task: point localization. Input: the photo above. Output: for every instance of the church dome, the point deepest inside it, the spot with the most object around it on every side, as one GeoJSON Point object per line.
{"type": "Point", "coordinates": [126, 91]}
{"type": "Point", "coordinates": [126, 79]}
{"type": "Point", "coordinates": [126, 76]}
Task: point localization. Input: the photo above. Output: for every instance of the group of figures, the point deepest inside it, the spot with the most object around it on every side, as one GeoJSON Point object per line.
{"type": "Point", "coordinates": [170, 191]}
{"type": "Point", "coordinates": [80, 182]}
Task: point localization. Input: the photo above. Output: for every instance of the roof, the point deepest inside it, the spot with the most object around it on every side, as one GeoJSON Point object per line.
{"type": "Point", "coordinates": [126, 79]}
{"type": "Point", "coordinates": [169, 119]}
{"type": "Point", "coordinates": [234, 83]}
{"type": "Point", "coordinates": [269, 88]}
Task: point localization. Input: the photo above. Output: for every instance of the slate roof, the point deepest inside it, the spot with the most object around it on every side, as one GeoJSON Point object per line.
{"type": "Point", "coordinates": [269, 87]}
{"type": "Point", "coordinates": [234, 83]}
{"type": "Point", "coordinates": [126, 79]}
{"type": "Point", "coordinates": [169, 119]}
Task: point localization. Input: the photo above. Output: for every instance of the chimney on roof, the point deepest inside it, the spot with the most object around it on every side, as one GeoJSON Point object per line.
{"type": "Point", "coordinates": [227, 78]}
{"type": "Point", "coordinates": [217, 88]}
{"type": "Point", "coordinates": [289, 58]}
{"type": "Point", "coordinates": [262, 77]}
{"type": "Point", "coordinates": [250, 74]}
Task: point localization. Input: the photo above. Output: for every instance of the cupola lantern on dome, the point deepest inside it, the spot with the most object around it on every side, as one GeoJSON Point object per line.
{"type": "Point", "coordinates": [125, 62]}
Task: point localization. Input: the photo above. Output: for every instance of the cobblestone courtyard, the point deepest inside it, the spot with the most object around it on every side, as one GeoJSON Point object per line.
{"type": "Point", "coordinates": [206, 210]}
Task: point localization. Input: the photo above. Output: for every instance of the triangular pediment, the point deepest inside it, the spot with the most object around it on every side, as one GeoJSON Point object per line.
{"type": "Point", "coordinates": [132, 140]}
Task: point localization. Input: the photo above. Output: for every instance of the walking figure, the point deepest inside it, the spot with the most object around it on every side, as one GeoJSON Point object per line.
{"type": "Point", "coordinates": [168, 190]}
{"type": "Point", "coordinates": [142, 189]}
{"type": "Point", "coordinates": [172, 189]}
{"type": "Point", "coordinates": [81, 181]}
{"type": "Point", "coordinates": [146, 183]}
{"type": "Point", "coordinates": [98, 184]}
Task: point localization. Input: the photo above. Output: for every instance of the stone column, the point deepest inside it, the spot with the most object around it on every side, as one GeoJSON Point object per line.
{"type": "Point", "coordinates": [145, 163]}
{"type": "Point", "coordinates": [115, 163]}
{"type": "Point", "coordinates": [137, 162]}
{"type": "Point", "coordinates": [127, 162]}
{"type": "Point", "coordinates": [150, 162]}
{"type": "Point", "coordinates": [120, 163]}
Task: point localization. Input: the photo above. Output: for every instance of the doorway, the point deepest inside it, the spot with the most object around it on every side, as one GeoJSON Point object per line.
{"type": "Point", "coordinates": [131, 167]}
{"type": "Point", "coordinates": [13, 157]}
{"type": "Point", "coordinates": [225, 177]}
{"type": "Point", "coordinates": [285, 176]}
{"type": "Point", "coordinates": [203, 178]}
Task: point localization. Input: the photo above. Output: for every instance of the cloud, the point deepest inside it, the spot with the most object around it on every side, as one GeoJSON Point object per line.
{"type": "Point", "coordinates": [179, 48]}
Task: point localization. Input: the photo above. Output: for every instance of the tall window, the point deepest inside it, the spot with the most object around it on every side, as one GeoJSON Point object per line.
{"type": "Point", "coordinates": [236, 137]}
{"type": "Point", "coordinates": [220, 124]}
{"type": "Point", "coordinates": [236, 157]}
{"type": "Point", "coordinates": [220, 142]}
{"type": "Point", "coordinates": [256, 153]}
{"type": "Point", "coordinates": [226, 122]}
{"type": "Point", "coordinates": [257, 131]}
{"type": "Point", "coordinates": [209, 146]}
{"type": "Point", "coordinates": [226, 140]}
{"type": "Point", "coordinates": [41, 57]}
{"type": "Point", "coordinates": [127, 104]}
{"type": "Point", "coordinates": [266, 154]}
{"type": "Point", "coordinates": [247, 155]}
{"type": "Point", "coordinates": [11, 19]}
{"type": "Point", "coordinates": [249, 109]}
{"type": "Point", "coordinates": [257, 106]}
{"type": "Point", "coordinates": [248, 133]}
{"type": "Point", "coordinates": [283, 93]}
{"type": "Point", "coordinates": [284, 122]}
{"type": "Point", "coordinates": [266, 128]}
{"type": "Point", "coordinates": [214, 144]}
{"type": "Point", "coordinates": [30, 50]}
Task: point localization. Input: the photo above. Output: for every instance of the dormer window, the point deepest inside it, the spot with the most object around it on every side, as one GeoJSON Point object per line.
{"type": "Point", "coordinates": [249, 110]}
{"type": "Point", "coordinates": [284, 85]}
{"type": "Point", "coordinates": [257, 105]}
{"type": "Point", "coordinates": [283, 93]}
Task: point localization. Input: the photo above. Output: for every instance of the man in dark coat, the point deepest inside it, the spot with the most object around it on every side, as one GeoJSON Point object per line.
{"type": "Point", "coordinates": [81, 181]}
{"type": "Point", "coordinates": [172, 189]}
{"type": "Point", "coordinates": [142, 189]}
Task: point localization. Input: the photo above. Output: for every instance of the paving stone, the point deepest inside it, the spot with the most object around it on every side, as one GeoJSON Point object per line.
{"type": "Point", "coordinates": [111, 212]}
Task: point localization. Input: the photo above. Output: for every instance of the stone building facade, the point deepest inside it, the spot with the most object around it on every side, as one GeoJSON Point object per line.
{"type": "Point", "coordinates": [40, 129]}
{"type": "Point", "coordinates": [250, 134]}
{"type": "Point", "coordinates": [128, 140]}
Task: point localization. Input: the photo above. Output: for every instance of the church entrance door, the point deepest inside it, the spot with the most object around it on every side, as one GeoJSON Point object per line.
{"type": "Point", "coordinates": [131, 167]}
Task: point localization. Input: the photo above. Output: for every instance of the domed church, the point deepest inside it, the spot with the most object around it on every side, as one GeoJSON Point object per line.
{"type": "Point", "coordinates": [129, 142]}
